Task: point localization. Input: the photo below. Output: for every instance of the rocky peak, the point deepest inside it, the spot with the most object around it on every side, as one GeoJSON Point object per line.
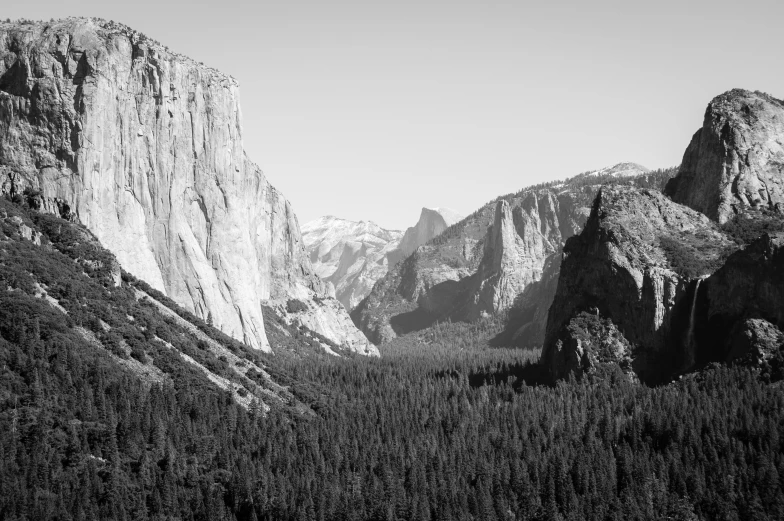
{"type": "Point", "coordinates": [659, 288]}
{"type": "Point", "coordinates": [516, 248]}
{"type": "Point", "coordinates": [432, 221]}
{"type": "Point", "coordinates": [480, 266]}
{"type": "Point", "coordinates": [736, 160]}
{"type": "Point", "coordinates": [621, 170]}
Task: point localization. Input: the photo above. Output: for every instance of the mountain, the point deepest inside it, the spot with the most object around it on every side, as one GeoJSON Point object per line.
{"type": "Point", "coordinates": [502, 260]}
{"type": "Point", "coordinates": [619, 171]}
{"type": "Point", "coordinates": [661, 288]}
{"type": "Point", "coordinates": [117, 403]}
{"type": "Point", "coordinates": [144, 147]}
{"type": "Point", "coordinates": [432, 222]}
{"type": "Point", "coordinates": [349, 255]}
{"type": "Point", "coordinates": [352, 256]}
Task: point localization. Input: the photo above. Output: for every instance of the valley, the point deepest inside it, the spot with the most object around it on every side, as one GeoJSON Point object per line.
{"type": "Point", "coordinates": [173, 345]}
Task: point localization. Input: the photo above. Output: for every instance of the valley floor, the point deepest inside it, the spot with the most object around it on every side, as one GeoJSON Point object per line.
{"type": "Point", "coordinates": [441, 427]}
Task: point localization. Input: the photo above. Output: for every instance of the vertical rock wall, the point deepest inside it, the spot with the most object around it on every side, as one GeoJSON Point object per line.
{"type": "Point", "coordinates": [145, 147]}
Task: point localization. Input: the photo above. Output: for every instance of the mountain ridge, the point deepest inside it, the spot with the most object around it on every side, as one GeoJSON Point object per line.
{"type": "Point", "coordinates": [455, 277]}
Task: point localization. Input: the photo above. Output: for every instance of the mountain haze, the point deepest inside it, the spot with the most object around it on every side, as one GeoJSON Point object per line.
{"type": "Point", "coordinates": [352, 256]}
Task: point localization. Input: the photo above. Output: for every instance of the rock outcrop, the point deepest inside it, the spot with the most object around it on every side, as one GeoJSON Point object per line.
{"type": "Point", "coordinates": [350, 255]}
{"type": "Point", "coordinates": [432, 222]}
{"type": "Point", "coordinates": [519, 243]}
{"type": "Point", "coordinates": [736, 160]}
{"type": "Point", "coordinates": [144, 147]}
{"type": "Point", "coordinates": [502, 260]}
{"type": "Point", "coordinates": [637, 264]}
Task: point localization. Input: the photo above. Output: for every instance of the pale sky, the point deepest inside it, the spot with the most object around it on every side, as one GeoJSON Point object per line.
{"type": "Point", "coordinates": [371, 110]}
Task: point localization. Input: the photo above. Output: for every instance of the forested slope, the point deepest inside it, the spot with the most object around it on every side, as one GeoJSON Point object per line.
{"type": "Point", "coordinates": [454, 431]}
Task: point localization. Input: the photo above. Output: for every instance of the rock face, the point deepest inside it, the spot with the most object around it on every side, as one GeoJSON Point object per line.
{"type": "Point", "coordinates": [736, 160]}
{"type": "Point", "coordinates": [144, 147]}
{"type": "Point", "coordinates": [502, 258]}
{"type": "Point", "coordinates": [637, 264]}
{"type": "Point", "coordinates": [518, 244]}
{"type": "Point", "coordinates": [744, 311]}
{"type": "Point", "coordinates": [432, 222]}
{"type": "Point", "coordinates": [350, 255]}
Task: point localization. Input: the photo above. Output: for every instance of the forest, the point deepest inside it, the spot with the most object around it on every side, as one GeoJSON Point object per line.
{"type": "Point", "coordinates": [442, 427]}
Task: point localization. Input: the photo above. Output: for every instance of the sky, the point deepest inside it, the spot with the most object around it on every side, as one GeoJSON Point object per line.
{"type": "Point", "coordinates": [371, 110]}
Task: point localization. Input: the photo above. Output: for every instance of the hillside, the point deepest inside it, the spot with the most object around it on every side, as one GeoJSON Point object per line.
{"type": "Point", "coordinates": [65, 291]}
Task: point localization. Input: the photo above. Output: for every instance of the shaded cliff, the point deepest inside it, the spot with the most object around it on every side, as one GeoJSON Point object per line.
{"type": "Point", "coordinates": [743, 304]}
{"type": "Point", "coordinates": [144, 147]}
{"type": "Point", "coordinates": [630, 277]}
{"type": "Point", "coordinates": [736, 160]}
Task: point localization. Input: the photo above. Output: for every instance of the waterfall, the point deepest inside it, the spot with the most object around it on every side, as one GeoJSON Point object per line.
{"type": "Point", "coordinates": [690, 348]}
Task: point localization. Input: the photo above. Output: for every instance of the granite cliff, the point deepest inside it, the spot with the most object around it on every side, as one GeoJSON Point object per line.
{"type": "Point", "coordinates": [502, 260]}
{"type": "Point", "coordinates": [736, 160]}
{"type": "Point", "coordinates": [432, 222]}
{"type": "Point", "coordinates": [144, 147]}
